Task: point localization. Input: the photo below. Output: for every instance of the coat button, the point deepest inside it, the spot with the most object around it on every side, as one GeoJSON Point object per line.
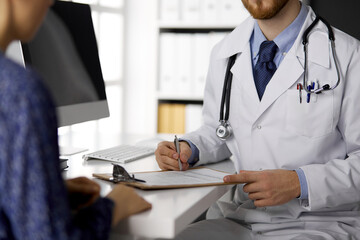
{"type": "Point", "coordinates": [258, 127]}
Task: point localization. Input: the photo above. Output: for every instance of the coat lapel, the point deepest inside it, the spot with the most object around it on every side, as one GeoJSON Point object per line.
{"type": "Point", "coordinates": [237, 40]}
{"type": "Point", "coordinates": [238, 43]}
{"type": "Point", "coordinates": [242, 80]}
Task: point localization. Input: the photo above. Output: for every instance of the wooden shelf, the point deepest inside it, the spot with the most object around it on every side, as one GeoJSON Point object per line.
{"type": "Point", "coordinates": [179, 97]}
{"type": "Point", "coordinates": [182, 25]}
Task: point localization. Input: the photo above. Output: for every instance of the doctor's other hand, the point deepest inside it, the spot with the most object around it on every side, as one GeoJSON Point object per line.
{"type": "Point", "coordinates": [127, 202]}
{"type": "Point", "coordinates": [167, 157]}
{"type": "Point", "coordinates": [268, 187]}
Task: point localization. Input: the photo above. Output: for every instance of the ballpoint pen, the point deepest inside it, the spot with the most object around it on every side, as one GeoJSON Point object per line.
{"type": "Point", "coordinates": [310, 86]}
{"type": "Point", "coordinates": [299, 87]}
{"type": "Point", "coordinates": [177, 146]}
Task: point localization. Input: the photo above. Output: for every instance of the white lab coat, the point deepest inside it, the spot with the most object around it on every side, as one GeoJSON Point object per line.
{"type": "Point", "coordinates": [281, 133]}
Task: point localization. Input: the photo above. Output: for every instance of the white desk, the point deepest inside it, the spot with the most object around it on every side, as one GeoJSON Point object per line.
{"type": "Point", "coordinates": [172, 210]}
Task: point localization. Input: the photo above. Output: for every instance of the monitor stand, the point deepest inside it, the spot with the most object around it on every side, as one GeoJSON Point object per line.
{"type": "Point", "coordinates": [66, 142]}
{"type": "Point", "coordinates": [63, 163]}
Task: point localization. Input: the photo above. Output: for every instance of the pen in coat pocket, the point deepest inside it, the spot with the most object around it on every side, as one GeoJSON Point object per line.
{"type": "Point", "coordinates": [300, 87]}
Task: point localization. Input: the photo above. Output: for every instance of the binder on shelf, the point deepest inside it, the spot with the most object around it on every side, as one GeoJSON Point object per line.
{"type": "Point", "coordinates": [232, 11]}
{"type": "Point", "coordinates": [170, 10]}
{"type": "Point", "coordinates": [202, 50]}
{"type": "Point", "coordinates": [202, 11]}
{"type": "Point", "coordinates": [216, 37]}
{"type": "Point", "coordinates": [178, 111]}
{"type": "Point", "coordinates": [190, 10]}
{"type": "Point", "coordinates": [184, 59]}
{"type": "Point", "coordinates": [193, 117]}
{"type": "Point", "coordinates": [171, 118]}
{"type": "Point", "coordinates": [164, 118]}
{"type": "Point", "coordinates": [167, 62]}
{"type": "Point", "coordinates": [210, 11]}
{"type": "Point", "coordinates": [183, 64]}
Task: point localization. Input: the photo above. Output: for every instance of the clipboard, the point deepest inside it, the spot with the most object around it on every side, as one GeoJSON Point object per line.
{"type": "Point", "coordinates": [157, 180]}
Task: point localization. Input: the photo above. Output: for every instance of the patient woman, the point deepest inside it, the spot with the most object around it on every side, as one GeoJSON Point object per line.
{"type": "Point", "coordinates": [35, 203]}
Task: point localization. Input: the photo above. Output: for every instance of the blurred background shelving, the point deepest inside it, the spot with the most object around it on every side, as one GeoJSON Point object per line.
{"type": "Point", "coordinates": [155, 53]}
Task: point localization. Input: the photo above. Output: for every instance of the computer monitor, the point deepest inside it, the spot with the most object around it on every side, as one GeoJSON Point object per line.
{"type": "Point", "coordinates": [64, 52]}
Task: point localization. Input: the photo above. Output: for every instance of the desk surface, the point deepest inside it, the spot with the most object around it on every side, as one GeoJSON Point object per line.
{"type": "Point", "coordinates": [172, 210]}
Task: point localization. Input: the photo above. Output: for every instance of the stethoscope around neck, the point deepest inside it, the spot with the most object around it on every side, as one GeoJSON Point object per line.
{"type": "Point", "coordinates": [224, 130]}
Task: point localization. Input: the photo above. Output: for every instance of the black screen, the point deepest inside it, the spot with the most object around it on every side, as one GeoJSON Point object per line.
{"type": "Point", "coordinates": [65, 53]}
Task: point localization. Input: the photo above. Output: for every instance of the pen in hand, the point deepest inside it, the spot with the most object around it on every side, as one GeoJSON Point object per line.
{"type": "Point", "coordinates": [177, 147]}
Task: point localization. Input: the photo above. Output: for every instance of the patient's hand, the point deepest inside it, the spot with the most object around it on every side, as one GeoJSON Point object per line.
{"type": "Point", "coordinates": [82, 192]}
{"type": "Point", "coordinates": [127, 202]}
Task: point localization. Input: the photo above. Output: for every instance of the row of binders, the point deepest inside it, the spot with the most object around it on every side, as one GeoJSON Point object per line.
{"type": "Point", "coordinates": [202, 11]}
{"type": "Point", "coordinates": [179, 118]}
{"type": "Point", "coordinates": [184, 60]}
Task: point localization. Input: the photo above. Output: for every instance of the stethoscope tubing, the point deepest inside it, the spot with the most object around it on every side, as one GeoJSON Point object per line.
{"type": "Point", "coordinates": [305, 43]}
{"type": "Point", "coordinates": [225, 98]}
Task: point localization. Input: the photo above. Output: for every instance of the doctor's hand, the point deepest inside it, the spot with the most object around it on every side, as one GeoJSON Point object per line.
{"type": "Point", "coordinates": [167, 157]}
{"type": "Point", "coordinates": [268, 187]}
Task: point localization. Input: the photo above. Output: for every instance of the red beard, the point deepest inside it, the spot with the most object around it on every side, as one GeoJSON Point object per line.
{"type": "Point", "coordinates": [264, 9]}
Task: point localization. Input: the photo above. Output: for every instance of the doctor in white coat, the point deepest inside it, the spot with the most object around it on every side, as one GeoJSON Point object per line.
{"type": "Point", "coordinates": [297, 164]}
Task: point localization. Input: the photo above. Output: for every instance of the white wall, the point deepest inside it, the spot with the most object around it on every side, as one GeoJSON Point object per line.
{"type": "Point", "coordinates": [140, 67]}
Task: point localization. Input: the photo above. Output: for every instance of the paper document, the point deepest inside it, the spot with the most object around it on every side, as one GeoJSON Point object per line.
{"type": "Point", "coordinates": [175, 179]}
{"type": "Point", "coordinates": [196, 176]}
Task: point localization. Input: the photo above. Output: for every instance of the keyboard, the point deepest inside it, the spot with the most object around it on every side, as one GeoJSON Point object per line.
{"type": "Point", "coordinates": [121, 153]}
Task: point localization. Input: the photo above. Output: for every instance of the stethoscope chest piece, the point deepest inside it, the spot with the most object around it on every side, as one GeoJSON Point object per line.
{"type": "Point", "coordinates": [224, 130]}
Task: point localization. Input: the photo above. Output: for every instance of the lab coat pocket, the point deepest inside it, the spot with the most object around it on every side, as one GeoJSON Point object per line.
{"type": "Point", "coordinates": [313, 119]}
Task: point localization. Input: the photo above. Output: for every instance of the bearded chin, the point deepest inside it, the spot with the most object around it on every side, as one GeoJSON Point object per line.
{"type": "Point", "coordinates": [259, 11]}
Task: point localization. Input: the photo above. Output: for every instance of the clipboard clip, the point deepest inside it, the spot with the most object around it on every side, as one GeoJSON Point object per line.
{"type": "Point", "coordinates": [121, 175]}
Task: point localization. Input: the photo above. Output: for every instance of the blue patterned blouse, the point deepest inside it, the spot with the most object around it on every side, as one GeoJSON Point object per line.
{"type": "Point", "coordinates": [33, 197]}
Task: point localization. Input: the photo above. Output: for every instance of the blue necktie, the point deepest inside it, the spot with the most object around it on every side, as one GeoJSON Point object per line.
{"type": "Point", "coordinates": [265, 66]}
